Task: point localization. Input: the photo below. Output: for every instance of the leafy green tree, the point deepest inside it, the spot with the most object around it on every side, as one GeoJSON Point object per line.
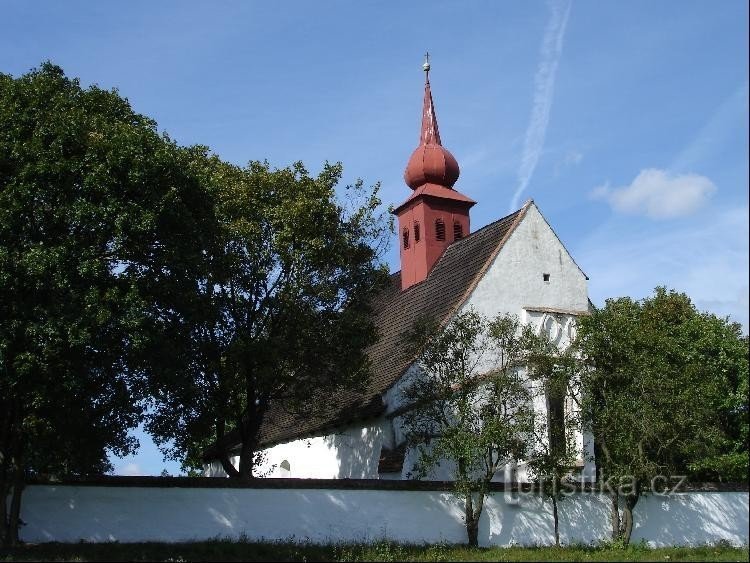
{"type": "Point", "coordinates": [728, 460]}
{"type": "Point", "coordinates": [470, 406]}
{"type": "Point", "coordinates": [554, 448]}
{"type": "Point", "coordinates": [276, 315]}
{"type": "Point", "coordinates": [659, 383]}
{"type": "Point", "coordinates": [88, 190]}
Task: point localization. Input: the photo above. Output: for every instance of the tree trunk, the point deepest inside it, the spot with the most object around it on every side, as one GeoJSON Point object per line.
{"type": "Point", "coordinates": [14, 516]}
{"type": "Point", "coordinates": [249, 426]}
{"type": "Point", "coordinates": [472, 531]}
{"type": "Point", "coordinates": [473, 513]}
{"type": "Point", "coordinates": [472, 526]}
{"type": "Point", "coordinates": [227, 466]}
{"type": "Point", "coordinates": [247, 453]}
{"type": "Point", "coordinates": [615, 515]}
{"type": "Point", "coordinates": [557, 522]}
{"type": "Point", "coordinates": [627, 517]}
{"type": "Point", "coordinates": [4, 490]}
{"type": "Point", "coordinates": [11, 474]}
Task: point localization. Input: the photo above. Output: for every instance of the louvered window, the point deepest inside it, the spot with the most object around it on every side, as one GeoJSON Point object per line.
{"type": "Point", "coordinates": [416, 232]}
{"type": "Point", "coordinates": [458, 230]}
{"type": "Point", "coordinates": [439, 229]}
{"type": "Point", "coordinates": [405, 236]}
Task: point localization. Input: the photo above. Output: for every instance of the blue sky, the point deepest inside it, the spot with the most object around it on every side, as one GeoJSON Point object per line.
{"type": "Point", "coordinates": [627, 122]}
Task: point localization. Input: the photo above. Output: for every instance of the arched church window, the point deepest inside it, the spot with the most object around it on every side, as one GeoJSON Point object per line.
{"type": "Point", "coordinates": [556, 421]}
{"type": "Point", "coordinates": [416, 231]}
{"type": "Point", "coordinates": [405, 236]}
{"type": "Point", "coordinates": [571, 330]}
{"type": "Point", "coordinates": [285, 469]}
{"type": "Point", "coordinates": [439, 229]}
{"type": "Point", "coordinates": [551, 327]}
{"type": "Point", "coordinates": [458, 230]}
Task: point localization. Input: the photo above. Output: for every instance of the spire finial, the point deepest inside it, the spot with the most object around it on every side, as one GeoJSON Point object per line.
{"type": "Point", "coordinates": [429, 133]}
{"type": "Point", "coordinates": [426, 66]}
{"type": "Point", "coordinates": [430, 163]}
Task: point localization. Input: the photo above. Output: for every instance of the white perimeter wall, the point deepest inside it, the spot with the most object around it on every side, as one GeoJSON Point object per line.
{"type": "Point", "coordinates": [127, 514]}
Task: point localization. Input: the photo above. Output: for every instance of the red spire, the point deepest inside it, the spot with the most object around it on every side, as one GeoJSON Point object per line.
{"type": "Point", "coordinates": [435, 215]}
{"type": "Point", "coordinates": [430, 163]}
{"type": "Point", "coordinates": [430, 133]}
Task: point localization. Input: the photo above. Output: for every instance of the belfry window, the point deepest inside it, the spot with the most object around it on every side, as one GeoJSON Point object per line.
{"type": "Point", "coordinates": [405, 236]}
{"type": "Point", "coordinates": [439, 229]}
{"type": "Point", "coordinates": [416, 231]}
{"type": "Point", "coordinates": [458, 230]}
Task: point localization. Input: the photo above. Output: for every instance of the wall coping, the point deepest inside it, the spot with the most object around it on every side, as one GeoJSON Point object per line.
{"type": "Point", "coordinates": [341, 484]}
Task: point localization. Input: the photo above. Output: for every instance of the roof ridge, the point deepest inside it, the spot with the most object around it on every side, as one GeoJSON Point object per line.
{"type": "Point", "coordinates": [487, 226]}
{"type": "Point", "coordinates": [518, 216]}
{"type": "Point", "coordinates": [457, 244]}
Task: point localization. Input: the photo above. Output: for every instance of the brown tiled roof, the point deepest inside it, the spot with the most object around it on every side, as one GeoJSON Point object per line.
{"type": "Point", "coordinates": [446, 287]}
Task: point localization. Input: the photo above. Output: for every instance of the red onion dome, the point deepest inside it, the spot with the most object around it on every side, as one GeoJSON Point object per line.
{"type": "Point", "coordinates": [431, 164]}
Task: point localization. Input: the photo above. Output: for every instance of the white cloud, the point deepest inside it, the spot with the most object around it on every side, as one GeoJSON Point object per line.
{"type": "Point", "coordinates": [707, 259]}
{"type": "Point", "coordinates": [658, 194]}
{"type": "Point", "coordinates": [544, 88]}
{"type": "Point", "coordinates": [130, 469]}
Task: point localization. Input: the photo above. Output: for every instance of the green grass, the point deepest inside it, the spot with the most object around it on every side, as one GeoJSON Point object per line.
{"type": "Point", "coordinates": [225, 550]}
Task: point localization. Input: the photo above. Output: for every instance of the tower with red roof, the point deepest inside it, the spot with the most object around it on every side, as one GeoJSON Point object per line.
{"type": "Point", "coordinates": [435, 215]}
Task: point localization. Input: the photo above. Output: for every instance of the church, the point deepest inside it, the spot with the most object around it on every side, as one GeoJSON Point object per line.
{"type": "Point", "coordinates": [515, 265]}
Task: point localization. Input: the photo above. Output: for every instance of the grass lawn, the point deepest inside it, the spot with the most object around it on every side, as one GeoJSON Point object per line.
{"type": "Point", "coordinates": [221, 550]}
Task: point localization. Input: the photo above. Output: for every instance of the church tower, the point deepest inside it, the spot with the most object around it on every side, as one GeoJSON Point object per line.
{"type": "Point", "coordinates": [435, 215]}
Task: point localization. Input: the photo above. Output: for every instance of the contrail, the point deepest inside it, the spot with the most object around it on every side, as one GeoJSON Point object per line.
{"type": "Point", "coordinates": [544, 87]}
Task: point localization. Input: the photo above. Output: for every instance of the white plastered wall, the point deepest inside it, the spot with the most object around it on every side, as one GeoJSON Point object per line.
{"type": "Point", "coordinates": [67, 513]}
{"type": "Point", "coordinates": [534, 277]}
{"type": "Point", "coordinates": [349, 453]}
{"type": "Point", "coordinates": [515, 279]}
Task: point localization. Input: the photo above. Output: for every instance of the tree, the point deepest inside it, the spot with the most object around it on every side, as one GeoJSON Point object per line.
{"type": "Point", "coordinates": [88, 189]}
{"type": "Point", "coordinates": [728, 460]}
{"type": "Point", "coordinates": [469, 405]}
{"type": "Point", "coordinates": [276, 314]}
{"type": "Point", "coordinates": [655, 378]}
{"type": "Point", "coordinates": [554, 449]}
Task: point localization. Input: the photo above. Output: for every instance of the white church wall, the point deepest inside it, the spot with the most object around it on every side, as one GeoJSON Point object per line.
{"type": "Point", "coordinates": [534, 277]}
{"type": "Point", "coordinates": [349, 453]}
{"type": "Point", "coordinates": [515, 279]}
{"type": "Point", "coordinates": [67, 513]}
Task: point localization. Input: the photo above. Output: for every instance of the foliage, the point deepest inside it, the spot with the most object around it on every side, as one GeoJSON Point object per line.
{"type": "Point", "coordinates": [554, 450]}
{"type": "Point", "coordinates": [469, 404]}
{"type": "Point", "coordinates": [664, 388]}
{"type": "Point", "coordinates": [87, 189]}
{"type": "Point", "coordinates": [274, 315]}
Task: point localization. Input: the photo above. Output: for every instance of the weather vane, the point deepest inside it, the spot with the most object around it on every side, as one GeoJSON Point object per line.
{"type": "Point", "coordinates": [426, 65]}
